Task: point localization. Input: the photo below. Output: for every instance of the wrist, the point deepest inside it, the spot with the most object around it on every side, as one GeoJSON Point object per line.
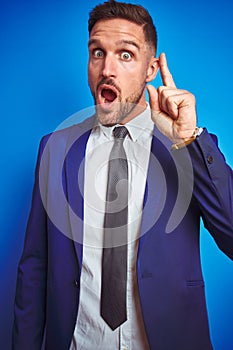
{"type": "Point", "coordinates": [187, 141]}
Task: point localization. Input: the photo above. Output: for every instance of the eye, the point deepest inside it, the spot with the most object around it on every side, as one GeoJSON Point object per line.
{"type": "Point", "coordinates": [97, 53]}
{"type": "Point", "coordinates": [126, 56]}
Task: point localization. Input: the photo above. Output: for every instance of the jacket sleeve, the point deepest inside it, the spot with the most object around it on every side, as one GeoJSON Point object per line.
{"type": "Point", "coordinates": [30, 299]}
{"type": "Point", "coordinates": [213, 189]}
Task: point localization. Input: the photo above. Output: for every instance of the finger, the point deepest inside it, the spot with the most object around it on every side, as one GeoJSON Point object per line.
{"type": "Point", "coordinates": [153, 98]}
{"type": "Point", "coordinates": [164, 71]}
{"type": "Point", "coordinates": [163, 103]}
{"type": "Point", "coordinates": [161, 119]}
{"type": "Point", "coordinates": [170, 100]}
{"type": "Point", "coordinates": [169, 106]}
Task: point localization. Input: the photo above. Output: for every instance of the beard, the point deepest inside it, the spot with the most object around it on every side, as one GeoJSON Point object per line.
{"type": "Point", "coordinates": [121, 108]}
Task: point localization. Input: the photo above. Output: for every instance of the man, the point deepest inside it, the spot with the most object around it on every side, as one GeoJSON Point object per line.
{"type": "Point", "coordinates": [170, 174]}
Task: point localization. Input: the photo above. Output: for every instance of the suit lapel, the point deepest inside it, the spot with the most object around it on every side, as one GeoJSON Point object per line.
{"type": "Point", "coordinates": [155, 192]}
{"type": "Point", "coordinates": [74, 173]}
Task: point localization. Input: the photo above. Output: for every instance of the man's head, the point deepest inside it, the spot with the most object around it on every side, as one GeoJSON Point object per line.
{"type": "Point", "coordinates": [133, 13]}
{"type": "Point", "coordinates": [122, 49]}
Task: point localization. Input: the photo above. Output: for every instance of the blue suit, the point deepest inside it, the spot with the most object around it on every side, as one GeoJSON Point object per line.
{"type": "Point", "coordinates": [170, 281]}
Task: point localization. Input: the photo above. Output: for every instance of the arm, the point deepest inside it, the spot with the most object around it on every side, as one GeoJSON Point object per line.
{"type": "Point", "coordinates": [30, 300]}
{"type": "Point", "coordinates": [213, 189]}
{"type": "Point", "coordinates": [174, 113]}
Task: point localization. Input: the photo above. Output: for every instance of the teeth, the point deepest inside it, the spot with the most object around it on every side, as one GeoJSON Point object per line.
{"type": "Point", "coordinates": [105, 100]}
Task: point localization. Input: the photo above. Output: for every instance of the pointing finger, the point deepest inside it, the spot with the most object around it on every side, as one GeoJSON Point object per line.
{"type": "Point", "coordinates": [165, 73]}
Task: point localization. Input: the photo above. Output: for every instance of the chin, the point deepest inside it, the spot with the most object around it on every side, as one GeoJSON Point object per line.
{"type": "Point", "coordinates": [108, 117]}
{"type": "Point", "coordinates": [117, 112]}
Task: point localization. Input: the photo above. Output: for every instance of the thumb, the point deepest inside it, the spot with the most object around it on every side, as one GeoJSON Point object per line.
{"type": "Point", "coordinates": [161, 119]}
{"type": "Point", "coordinates": [153, 98]}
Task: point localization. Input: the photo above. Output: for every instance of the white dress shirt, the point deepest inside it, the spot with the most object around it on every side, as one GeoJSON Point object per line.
{"type": "Point", "coordinates": [91, 331]}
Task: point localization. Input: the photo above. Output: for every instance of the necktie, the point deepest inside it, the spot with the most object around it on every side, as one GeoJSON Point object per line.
{"type": "Point", "coordinates": [114, 259]}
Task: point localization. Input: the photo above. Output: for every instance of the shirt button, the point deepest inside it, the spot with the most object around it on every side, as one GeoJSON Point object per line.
{"type": "Point", "coordinates": [76, 283]}
{"type": "Point", "coordinates": [210, 159]}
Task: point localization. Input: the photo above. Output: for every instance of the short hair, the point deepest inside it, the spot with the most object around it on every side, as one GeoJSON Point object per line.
{"type": "Point", "coordinates": [134, 13]}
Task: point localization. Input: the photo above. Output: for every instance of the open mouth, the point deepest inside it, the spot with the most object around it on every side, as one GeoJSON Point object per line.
{"type": "Point", "coordinates": [107, 94]}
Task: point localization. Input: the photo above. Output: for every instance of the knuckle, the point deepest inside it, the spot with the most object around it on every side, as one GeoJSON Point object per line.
{"type": "Point", "coordinates": [170, 99]}
{"type": "Point", "coordinates": [193, 97]}
{"type": "Point", "coordinates": [190, 95]}
{"type": "Point", "coordinates": [160, 89]}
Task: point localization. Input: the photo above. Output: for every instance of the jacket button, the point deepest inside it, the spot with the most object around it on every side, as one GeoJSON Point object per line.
{"type": "Point", "coordinates": [76, 283]}
{"type": "Point", "coordinates": [210, 159]}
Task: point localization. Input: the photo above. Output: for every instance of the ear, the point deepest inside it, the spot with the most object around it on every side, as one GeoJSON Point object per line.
{"type": "Point", "coordinates": [152, 69]}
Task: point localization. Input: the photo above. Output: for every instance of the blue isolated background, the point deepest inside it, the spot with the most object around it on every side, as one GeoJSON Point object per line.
{"type": "Point", "coordinates": [43, 80]}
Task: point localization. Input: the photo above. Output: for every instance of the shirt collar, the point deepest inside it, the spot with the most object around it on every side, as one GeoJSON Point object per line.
{"type": "Point", "coordinates": [136, 127]}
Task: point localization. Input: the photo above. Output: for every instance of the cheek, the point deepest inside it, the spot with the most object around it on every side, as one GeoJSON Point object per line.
{"type": "Point", "coordinates": [135, 72]}
{"type": "Point", "coordinates": [90, 70]}
{"type": "Point", "coordinates": [91, 76]}
{"type": "Point", "coordinates": [134, 79]}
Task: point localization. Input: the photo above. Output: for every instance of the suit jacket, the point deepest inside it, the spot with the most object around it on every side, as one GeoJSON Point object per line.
{"type": "Point", "coordinates": [182, 186]}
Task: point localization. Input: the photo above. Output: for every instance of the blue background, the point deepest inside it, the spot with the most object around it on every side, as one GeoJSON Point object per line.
{"type": "Point", "coordinates": [43, 80]}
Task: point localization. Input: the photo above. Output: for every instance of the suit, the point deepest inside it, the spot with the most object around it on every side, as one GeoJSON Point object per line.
{"type": "Point", "coordinates": [195, 181]}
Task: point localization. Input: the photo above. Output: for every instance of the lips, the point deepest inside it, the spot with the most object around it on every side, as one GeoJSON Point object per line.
{"type": "Point", "coordinates": [107, 94]}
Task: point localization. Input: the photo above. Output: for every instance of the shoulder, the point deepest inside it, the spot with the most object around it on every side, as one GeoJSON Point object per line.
{"type": "Point", "coordinates": [65, 137]}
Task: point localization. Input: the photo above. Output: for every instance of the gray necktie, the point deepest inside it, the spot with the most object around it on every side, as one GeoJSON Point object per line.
{"type": "Point", "coordinates": [114, 260]}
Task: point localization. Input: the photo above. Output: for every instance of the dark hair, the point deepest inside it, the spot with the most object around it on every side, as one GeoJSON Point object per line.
{"type": "Point", "coordinates": [134, 13]}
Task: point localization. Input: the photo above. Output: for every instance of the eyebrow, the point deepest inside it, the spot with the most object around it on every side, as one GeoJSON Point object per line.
{"type": "Point", "coordinates": [93, 42]}
{"type": "Point", "coordinates": [128, 42]}
{"type": "Point", "coordinates": [119, 42]}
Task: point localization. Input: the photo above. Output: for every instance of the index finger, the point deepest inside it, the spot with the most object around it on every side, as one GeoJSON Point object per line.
{"type": "Point", "coordinates": [165, 73]}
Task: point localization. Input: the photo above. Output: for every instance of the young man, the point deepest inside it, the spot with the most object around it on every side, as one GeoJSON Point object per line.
{"type": "Point", "coordinates": [80, 286]}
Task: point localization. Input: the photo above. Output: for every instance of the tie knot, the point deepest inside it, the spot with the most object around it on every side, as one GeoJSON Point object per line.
{"type": "Point", "coordinates": [120, 132]}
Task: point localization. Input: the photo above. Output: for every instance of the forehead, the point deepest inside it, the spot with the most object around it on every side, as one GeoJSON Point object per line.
{"type": "Point", "coordinates": [117, 29]}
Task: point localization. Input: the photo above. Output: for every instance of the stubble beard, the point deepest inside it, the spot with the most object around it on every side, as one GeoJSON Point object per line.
{"type": "Point", "coordinates": [121, 109]}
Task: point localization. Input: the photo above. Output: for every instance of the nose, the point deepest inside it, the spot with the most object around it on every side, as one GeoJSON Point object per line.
{"type": "Point", "coordinates": [109, 67]}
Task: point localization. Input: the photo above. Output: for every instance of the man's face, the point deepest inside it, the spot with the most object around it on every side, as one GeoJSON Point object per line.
{"type": "Point", "coordinates": [119, 62]}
